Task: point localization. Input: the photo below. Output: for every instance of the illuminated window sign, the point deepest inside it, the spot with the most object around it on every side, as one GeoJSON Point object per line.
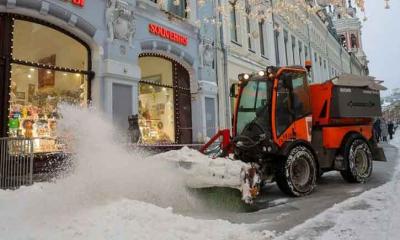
{"type": "Point", "coordinates": [79, 3]}
{"type": "Point", "coordinates": [168, 34]}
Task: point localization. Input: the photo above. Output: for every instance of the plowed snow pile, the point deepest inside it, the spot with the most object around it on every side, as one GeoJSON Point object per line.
{"type": "Point", "coordinates": [111, 193]}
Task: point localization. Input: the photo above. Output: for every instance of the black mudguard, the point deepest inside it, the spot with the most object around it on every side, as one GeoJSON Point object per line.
{"type": "Point", "coordinates": [377, 152]}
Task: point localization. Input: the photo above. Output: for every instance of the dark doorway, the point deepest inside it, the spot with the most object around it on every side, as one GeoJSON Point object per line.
{"type": "Point", "coordinates": [183, 101]}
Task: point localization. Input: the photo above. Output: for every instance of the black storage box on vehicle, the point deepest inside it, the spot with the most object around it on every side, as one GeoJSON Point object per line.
{"type": "Point", "coordinates": [353, 102]}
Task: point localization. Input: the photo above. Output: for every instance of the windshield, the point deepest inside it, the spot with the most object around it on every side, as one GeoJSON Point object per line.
{"type": "Point", "coordinates": [253, 103]}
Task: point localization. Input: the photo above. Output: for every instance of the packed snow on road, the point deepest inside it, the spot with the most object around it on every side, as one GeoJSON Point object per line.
{"type": "Point", "coordinates": [113, 193]}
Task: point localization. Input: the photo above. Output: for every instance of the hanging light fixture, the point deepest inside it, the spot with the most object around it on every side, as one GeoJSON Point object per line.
{"type": "Point", "coordinates": [387, 6]}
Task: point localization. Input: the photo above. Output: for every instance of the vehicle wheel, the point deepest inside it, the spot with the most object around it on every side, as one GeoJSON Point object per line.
{"type": "Point", "coordinates": [296, 175]}
{"type": "Point", "coordinates": [358, 157]}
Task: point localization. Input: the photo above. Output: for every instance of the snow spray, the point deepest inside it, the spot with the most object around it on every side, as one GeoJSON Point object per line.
{"type": "Point", "coordinates": [102, 170]}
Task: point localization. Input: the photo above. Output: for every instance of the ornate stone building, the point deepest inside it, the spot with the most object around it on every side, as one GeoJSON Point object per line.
{"type": "Point", "coordinates": [126, 57]}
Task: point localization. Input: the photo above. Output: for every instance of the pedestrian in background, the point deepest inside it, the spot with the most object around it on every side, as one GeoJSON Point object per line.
{"type": "Point", "coordinates": [391, 129]}
{"type": "Point", "coordinates": [377, 129]}
{"type": "Point", "coordinates": [384, 130]}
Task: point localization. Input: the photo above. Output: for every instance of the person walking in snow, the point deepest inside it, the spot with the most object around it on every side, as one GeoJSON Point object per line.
{"type": "Point", "coordinates": [384, 130]}
{"type": "Point", "coordinates": [377, 129]}
{"type": "Point", "coordinates": [391, 129]}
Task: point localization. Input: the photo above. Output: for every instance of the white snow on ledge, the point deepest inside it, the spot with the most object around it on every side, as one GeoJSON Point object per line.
{"type": "Point", "coordinates": [373, 215]}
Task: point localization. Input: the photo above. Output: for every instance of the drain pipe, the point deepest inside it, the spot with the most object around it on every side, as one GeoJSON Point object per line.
{"type": "Point", "coordinates": [224, 100]}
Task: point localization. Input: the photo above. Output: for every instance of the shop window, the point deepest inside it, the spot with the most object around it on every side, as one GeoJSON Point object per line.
{"type": "Point", "coordinates": [48, 67]}
{"type": "Point", "coordinates": [164, 101]}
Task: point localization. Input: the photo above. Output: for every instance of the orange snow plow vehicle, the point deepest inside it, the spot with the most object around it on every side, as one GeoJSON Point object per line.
{"type": "Point", "coordinates": [291, 132]}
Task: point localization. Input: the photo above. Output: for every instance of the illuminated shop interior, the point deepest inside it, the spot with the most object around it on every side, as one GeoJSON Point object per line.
{"type": "Point", "coordinates": [164, 101]}
{"type": "Point", "coordinates": [49, 67]}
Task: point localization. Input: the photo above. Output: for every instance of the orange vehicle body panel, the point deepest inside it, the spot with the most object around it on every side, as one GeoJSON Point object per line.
{"type": "Point", "coordinates": [333, 136]}
{"type": "Point", "coordinates": [321, 95]}
{"type": "Point", "coordinates": [299, 130]}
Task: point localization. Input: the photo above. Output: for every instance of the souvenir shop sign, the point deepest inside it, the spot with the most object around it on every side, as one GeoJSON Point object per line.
{"type": "Point", "coordinates": [79, 3]}
{"type": "Point", "coordinates": [168, 34]}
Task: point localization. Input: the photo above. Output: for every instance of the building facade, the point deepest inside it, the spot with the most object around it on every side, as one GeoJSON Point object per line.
{"type": "Point", "coordinates": [169, 62]}
{"type": "Point", "coordinates": [126, 57]}
{"type": "Point", "coordinates": [245, 44]}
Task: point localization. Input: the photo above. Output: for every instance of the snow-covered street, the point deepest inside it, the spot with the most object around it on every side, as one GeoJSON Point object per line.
{"type": "Point", "coordinates": [372, 215]}
{"type": "Point", "coordinates": [117, 194]}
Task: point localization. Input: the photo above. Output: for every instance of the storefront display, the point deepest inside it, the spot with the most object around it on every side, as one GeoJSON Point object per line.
{"type": "Point", "coordinates": [156, 114]}
{"type": "Point", "coordinates": [48, 67]}
{"type": "Point", "coordinates": [160, 112]}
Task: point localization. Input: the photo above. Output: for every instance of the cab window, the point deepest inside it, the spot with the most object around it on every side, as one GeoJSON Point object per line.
{"type": "Point", "coordinates": [284, 116]}
{"type": "Point", "coordinates": [301, 99]}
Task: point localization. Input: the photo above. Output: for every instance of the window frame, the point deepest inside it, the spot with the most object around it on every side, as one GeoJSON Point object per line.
{"type": "Point", "coordinates": [170, 4]}
{"type": "Point", "coordinates": [276, 46]}
{"type": "Point", "coordinates": [294, 49]}
{"type": "Point", "coordinates": [286, 41]}
{"type": "Point", "coordinates": [261, 27]}
{"type": "Point", "coordinates": [233, 18]}
{"type": "Point", "coordinates": [300, 44]}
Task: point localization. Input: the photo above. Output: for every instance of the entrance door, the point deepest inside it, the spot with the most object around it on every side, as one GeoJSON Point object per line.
{"type": "Point", "coordinates": [122, 105]}
{"type": "Point", "coordinates": [210, 117]}
{"type": "Point", "coordinates": [183, 101]}
{"type": "Point", "coordinates": [165, 112]}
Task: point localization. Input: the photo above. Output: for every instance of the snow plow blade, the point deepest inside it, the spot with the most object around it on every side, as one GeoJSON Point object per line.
{"type": "Point", "coordinates": [206, 175]}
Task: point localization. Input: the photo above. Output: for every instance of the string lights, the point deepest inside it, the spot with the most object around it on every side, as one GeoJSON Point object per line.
{"type": "Point", "coordinates": [294, 12]}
